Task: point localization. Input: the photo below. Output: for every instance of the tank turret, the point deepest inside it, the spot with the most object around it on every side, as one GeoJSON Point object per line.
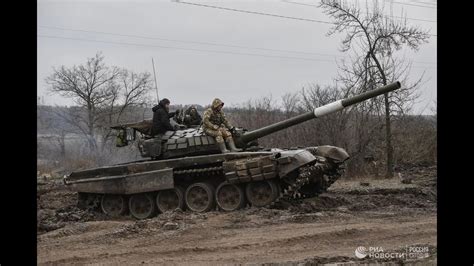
{"type": "Point", "coordinates": [193, 141]}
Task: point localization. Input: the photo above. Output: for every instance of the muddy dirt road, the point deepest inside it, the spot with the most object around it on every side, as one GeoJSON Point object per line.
{"type": "Point", "coordinates": [327, 229]}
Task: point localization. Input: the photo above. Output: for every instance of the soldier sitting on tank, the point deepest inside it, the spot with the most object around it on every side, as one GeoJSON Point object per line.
{"type": "Point", "coordinates": [192, 117]}
{"type": "Point", "coordinates": [215, 124]}
{"type": "Point", "coordinates": [161, 118]}
{"type": "Point", "coordinates": [179, 116]}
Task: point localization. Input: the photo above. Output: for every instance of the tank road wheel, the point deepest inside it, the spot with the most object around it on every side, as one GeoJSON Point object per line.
{"type": "Point", "coordinates": [142, 206]}
{"type": "Point", "coordinates": [230, 197]}
{"type": "Point", "coordinates": [170, 199]}
{"type": "Point", "coordinates": [113, 205]}
{"type": "Point", "coordinates": [261, 193]}
{"type": "Point", "coordinates": [199, 197]}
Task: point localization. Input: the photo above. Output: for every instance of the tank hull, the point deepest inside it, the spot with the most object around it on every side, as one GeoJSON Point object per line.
{"type": "Point", "coordinates": [277, 169]}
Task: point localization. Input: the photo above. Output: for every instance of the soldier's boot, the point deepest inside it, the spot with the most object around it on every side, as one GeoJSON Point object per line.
{"type": "Point", "coordinates": [232, 147]}
{"type": "Point", "coordinates": [223, 148]}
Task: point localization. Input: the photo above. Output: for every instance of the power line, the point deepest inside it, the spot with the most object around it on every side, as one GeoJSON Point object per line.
{"type": "Point", "coordinates": [420, 3]}
{"type": "Point", "coordinates": [186, 41]}
{"type": "Point", "coordinates": [196, 42]}
{"type": "Point", "coordinates": [254, 12]}
{"type": "Point", "coordinates": [424, 3]}
{"type": "Point", "coordinates": [304, 4]}
{"type": "Point", "coordinates": [181, 48]}
{"type": "Point", "coordinates": [406, 4]}
{"type": "Point", "coordinates": [259, 13]}
{"type": "Point", "coordinates": [192, 49]}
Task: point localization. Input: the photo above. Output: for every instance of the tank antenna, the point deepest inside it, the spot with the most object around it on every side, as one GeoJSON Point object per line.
{"type": "Point", "coordinates": [156, 84]}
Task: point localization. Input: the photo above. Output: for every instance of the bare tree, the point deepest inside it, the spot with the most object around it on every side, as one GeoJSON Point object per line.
{"type": "Point", "coordinates": [102, 95]}
{"type": "Point", "coordinates": [128, 90]}
{"type": "Point", "coordinates": [49, 122]}
{"type": "Point", "coordinates": [290, 103]}
{"type": "Point", "coordinates": [290, 106]}
{"type": "Point", "coordinates": [374, 37]}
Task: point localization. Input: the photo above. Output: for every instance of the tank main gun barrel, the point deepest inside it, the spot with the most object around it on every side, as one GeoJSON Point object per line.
{"type": "Point", "coordinates": [317, 112]}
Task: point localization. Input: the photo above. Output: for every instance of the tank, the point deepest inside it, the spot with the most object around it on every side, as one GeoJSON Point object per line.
{"type": "Point", "coordinates": [185, 169]}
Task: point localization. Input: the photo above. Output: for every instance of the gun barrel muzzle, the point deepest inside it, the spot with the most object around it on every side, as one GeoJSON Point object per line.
{"type": "Point", "coordinates": [341, 104]}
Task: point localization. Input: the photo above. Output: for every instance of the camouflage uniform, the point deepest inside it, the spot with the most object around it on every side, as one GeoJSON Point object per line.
{"type": "Point", "coordinates": [215, 123]}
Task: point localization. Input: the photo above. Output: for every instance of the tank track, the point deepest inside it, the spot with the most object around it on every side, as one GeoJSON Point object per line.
{"type": "Point", "coordinates": [320, 170]}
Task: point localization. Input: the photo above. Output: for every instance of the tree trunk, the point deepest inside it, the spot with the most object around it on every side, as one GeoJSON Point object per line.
{"type": "Point", "coordinates": [90, 125]}
{"type": "Point", "coordinates": [62, 144]}
{"type": "Point", "coordinates": [388, 125]}
{"type": "Point", "coordinates": [388, 137]}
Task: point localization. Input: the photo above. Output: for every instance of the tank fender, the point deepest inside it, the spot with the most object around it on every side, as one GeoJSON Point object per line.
{"type": "Point", "coordinates": [337, 154]}
{"type": "Point", "coordinates": [290, 160]}
{"type": "Point", "coordinates": [125, 184]}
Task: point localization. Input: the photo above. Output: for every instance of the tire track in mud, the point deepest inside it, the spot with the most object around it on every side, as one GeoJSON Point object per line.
{"type": "Point", "coordinates": [276, 243]}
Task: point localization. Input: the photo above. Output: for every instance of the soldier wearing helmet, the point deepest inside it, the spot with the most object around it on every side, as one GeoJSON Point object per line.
{"type": "Point", "coordinates": [216, 124]}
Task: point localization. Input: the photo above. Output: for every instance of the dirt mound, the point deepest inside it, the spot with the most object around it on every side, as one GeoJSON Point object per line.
{"type": "Point", "coordinates": [56, 207]}
{"type": "Point", "coordinates": [52, 219]}
{"type": "Point", "coordinates": [391, 195]}
{"type": "Point", "coordinates": [52, 194]}
{"type": "Point", "coordinates": [423, 192]}
{"type": "Point", "coordinates": [323, 202]}
{"type": "Point", "coordinates": [423, 175]}
{"type": "Point", "coordinates": [381, 198]}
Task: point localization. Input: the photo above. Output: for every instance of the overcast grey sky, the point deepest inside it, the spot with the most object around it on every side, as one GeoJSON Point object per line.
{"type": "Point", "coordinates": [191, 76]}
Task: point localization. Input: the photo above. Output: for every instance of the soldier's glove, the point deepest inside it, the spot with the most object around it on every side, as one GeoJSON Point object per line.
{"type": "Point", "coordinates": [232, 130]}
{"type": "Point", "coordinates": [216, 127]}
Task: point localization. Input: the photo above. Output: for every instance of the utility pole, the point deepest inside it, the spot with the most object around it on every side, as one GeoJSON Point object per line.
{"type": "Point", "coordinates": [156, 84]}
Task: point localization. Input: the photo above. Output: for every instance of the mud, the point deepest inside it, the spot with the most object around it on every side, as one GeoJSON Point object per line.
{"type": "Point", "coordinates": [312, 231]}
{"type": "Point", "coordinates": [56, 207]}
